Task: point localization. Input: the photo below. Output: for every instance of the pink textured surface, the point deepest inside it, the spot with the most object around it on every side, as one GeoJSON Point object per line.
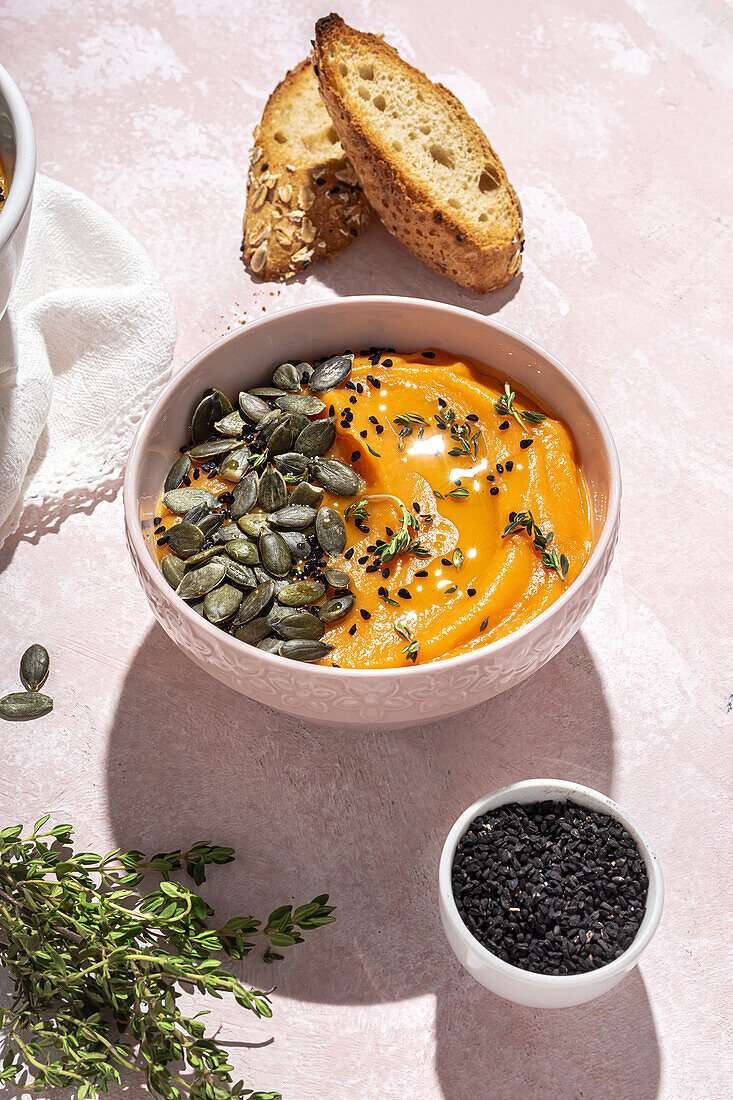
{"type": "Point", "coordinates": [609, 120]}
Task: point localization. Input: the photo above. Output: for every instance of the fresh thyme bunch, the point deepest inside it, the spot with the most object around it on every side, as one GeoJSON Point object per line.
{"type": "Point", "coordinates": [98, 970]}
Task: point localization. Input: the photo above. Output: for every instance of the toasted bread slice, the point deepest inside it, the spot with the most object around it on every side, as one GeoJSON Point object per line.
{"type": "Point", "coordinates": [425, 165]}
{"type": "Point", "coordinates": [304, 202]}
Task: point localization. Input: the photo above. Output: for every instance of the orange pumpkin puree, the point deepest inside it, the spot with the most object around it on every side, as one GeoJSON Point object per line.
{"type": "Point", "coordinates": [502, 583]}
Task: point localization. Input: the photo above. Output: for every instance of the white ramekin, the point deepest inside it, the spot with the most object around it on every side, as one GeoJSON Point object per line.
{"type": "Point", "coordinates": [523, 986]}
{"type": "Point", "coordinates": [18, 151]}
{"type": "Point", "coordinates": [384, 698]}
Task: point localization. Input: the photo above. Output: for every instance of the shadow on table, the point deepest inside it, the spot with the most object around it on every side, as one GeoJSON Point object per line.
{"type": "Point", "coordinates": [363, 815]}
{"type": "Point", "coordinates": [377, 263]}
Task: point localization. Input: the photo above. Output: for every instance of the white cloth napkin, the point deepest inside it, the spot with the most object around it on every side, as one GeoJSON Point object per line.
{"type": "Point", "coordinates": [85, 343]}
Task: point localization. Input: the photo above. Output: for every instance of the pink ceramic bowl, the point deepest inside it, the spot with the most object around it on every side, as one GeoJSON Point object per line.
{"type": "Point", "coordinates": [350, 697]}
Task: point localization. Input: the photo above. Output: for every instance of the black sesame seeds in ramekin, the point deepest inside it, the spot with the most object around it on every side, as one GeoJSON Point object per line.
{"type": "Point", "coordinates": [551, 887]}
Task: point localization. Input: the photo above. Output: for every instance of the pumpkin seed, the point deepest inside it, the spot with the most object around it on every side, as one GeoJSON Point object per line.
{"type": "Point", "coordinates": [196, 514]}
{"type": "Point", "coordinates": [242, 551]}
{"type": "Point", "coordinates": [270, 645]}
{"type": "Point", "coordinates": [200, 581]}
{"type": "Point", "coordinates": [198, 607]}
{"type": "Point", "coordinates": [244, 496]}
{"type": "Point", "coordinates": [336, 608]}
{"type": "Point", "coordinates": [182, 500]}
{"type": "Point", "coordinates": [270, 392]}
{"type": "Point", "coordinates": [305, 369]}
{"type": "Point", "coordinates": [331, 373]}
{"type": "Point", "coordinates": [254, 603]}
{"type": "Point", "coordinates": [275, 554]}
{"type": "Point", "coordinates": [227, 532]}
{"type": "Point", "coordinates": [22, 705]}
{"type": "Point", "coordinates": [235, 465]}
{"type": "Point", "coordinates": [253, 632]}
{"type": "Point", "coordinates": [253, 408]}
{"type": "Point", "coordinates": [291, 463]}
{"type": "Point", "coordinates": [201, 556]}
{"type": "Point", "coordinates": [241, 575]}
{"type": "Point", "coordinates": [293, 517]}
{"type": "Point", "coordinates": [173, 569]}
{"type": "Point", "coordinates": [214, 447]}
{"type": "Point", "coordinates": [231, 425]}
{"type": "Point", "coordinates": [222, 603]}
{"type": "Point", "coordinates": [262, 575]}
{"type": "Point", "coordinates": [301, 593]}
{"type": "Point", "coordinates": [335, 476]}
{"type": "Point", "coordinates": [301, 650]}
{"type": "Point", "coordinates": [304, 403]}
{"type": "Point", "coordinates": [34, 667]}
{"type": "Point", "coordinates": [281, 440]}
{"type": "Point", "coordinates": [273, 491]}
{"type": "Point", "coordinates": [185, 539]}
{"type": "Point", "coordinates": [337, 578]}
{"type": "Point", "coordinates": [305, 493]}
{"type": "Point", "coordinates": [287, 377]}
{"type": "Point", "coordinates": [301, 624]}
{"type": "Point", "coordinates": [210, 524]}
{"type": "Point", "coordinates": [297, 422]}
{"type": "Point", "coordinates": [213, 406]}
{"type": "Point", "coordinates": [177, 472]}
{"type": "Point", "coordinates": [253, 524]}
{"type": "Point", "coordinates": [268, 424]}
{"type": "Point", "coordinates": [317, 438]}
{"type": "Point", "coordinates": [330, 531]}
{"type": "Point", "coordinates": [277, 612]}
{"type": "Point", "coordinates": [297, 543]}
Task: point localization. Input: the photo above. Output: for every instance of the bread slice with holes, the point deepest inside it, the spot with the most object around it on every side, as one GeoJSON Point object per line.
{"type": "Point", "coordinates": [426, 167]}
{"type": "Point", "coordinates": [304, 202]}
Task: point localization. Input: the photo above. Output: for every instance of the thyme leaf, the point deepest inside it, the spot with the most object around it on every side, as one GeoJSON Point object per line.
{"type": "Point", "coordinates": [524, 521]}
{"type": "Point", "coordinates": [505, 407]}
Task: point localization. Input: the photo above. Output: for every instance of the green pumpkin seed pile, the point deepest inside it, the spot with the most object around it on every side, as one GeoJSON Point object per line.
{"type": "Point", "coordinates": [254, 561]}
{"type": "Point", "coordinates": [31, 703]}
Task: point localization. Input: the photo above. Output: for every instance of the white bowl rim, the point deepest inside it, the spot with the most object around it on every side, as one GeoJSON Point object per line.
{"type": "Point", "coordinates": [566, 789]}
{"type": "Point", "coordinates": [130, 504]}
{"type": "Point", "coordinates": [21, 186]}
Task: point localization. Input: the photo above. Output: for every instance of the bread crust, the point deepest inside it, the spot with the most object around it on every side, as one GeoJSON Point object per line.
{"type": "Point", "coordinates": [297, 214]}
{"type": "Point", "coordinates": [433, 233]}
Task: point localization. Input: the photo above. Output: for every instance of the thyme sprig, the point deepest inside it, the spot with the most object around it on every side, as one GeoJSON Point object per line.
{"type": "Point", "coordinates": [524, 521]}
{"type": "Point", "coordinates": [412, 648]}
{"type": "Point", "coordinates": [407, 422]}
{"type": "Point", "coordinates": [98, 970]}
{"type": "Point", "coordinates": [505, 407]}
{"type": "Point", "coordinates": [402, 542]}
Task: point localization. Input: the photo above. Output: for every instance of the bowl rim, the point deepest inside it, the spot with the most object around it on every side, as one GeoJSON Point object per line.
{"type": "Point", "coordinates": [608, 534]}
{"type": "Point", "coordinates": [565, 789]}
{"type": "Point", "coordinates": [21, 186]}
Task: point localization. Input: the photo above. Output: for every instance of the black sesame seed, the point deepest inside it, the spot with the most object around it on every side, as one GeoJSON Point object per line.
{"type": "Point", "coordinates": [160, 530]}
{"type": "Point", "coordinates": [416, 506]}
{"type": "Point", "coordinates": [331, 410]}
{"type": "Point", "coordinates": [438, 216]}
{"type": "Point", "coordinates": [373, 568]}
{"type": "Point", "coordinates": [512, 517]}
{"type": "Point", "coordinates": [363, 560]}
{"type": "Point", "coordinates": [473, 417]}
{"type": "Point", "coordinates": [421, 573]}
{"type": "Point", "coordinates": [428, 355]}
{"type": "Point", "coordinates": [504, 425]}
{"type": "Point", "coordinates": [196, 474]}
{"type": "Point", "coordinates": [387, 363]}
{"type": "Point", "coordinates": [364, 613]}
{"type": "Point", "coordinates": [352, 399]}
{"type": "Point", "coordinates": [359, 387]}
{"type": "Point", "coordinates": [373, 420]}
{"type": "Point", "coordinates": [499, 468]}
{"type": "Point", "coordinates": [389, 531]}
{"type": "Point", "coordinates": [494, 490]}
{"type": "Point", "coordinates": [524, 443]}
{"type": "Point", "coordinates": [349, 385]}
{"type": "Point", "coordinates": [349, 553]}
{"type": "Point", "coordinates": [446, 561]}
{"type": "Point", "coordinates": [363, 433]}
{"type": "Point", "coordinates": [352, 629]}
{"type": "Point", "coordinates": [550, 887]}
{"type": "Point", "coordinates": [157, 521]}
{"type": "Point", "coordinates": [404, 594]}
{"type": "Point", "coordinates": [163, 541]}
{"type": "Point", "coordinates": [510, 466]}
{"type": "Point", "coordinates": [379, 429]}
{"type": "Point", "coordinates": [355, 456]}
{"type": "Point", "coordinates": [490, 477]}
{"type": "Point", "coordinates": [471, 591]}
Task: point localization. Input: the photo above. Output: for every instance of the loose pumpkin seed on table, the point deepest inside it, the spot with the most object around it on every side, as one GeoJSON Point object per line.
{"type": "Point", "coordinates": [21, 706]}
